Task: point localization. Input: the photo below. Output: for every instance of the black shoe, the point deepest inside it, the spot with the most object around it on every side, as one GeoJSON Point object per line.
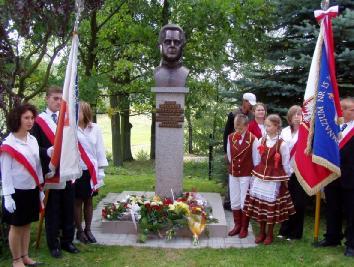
{"type": "Point", "coordinates": [349, 252]}
{"type": "Point", "coordinates": [90, 236]}
{"type": "Point", "coordinates": [326, 243]}
{"type": "Point", "coordinates": [36, 263]}
{"type": "Point", "coordinates": [227, 205]}
{"type": "Point", "coordinates": [81, 236]}
{"type": "Point", "coordinates": [70, 247]}
{"type": "Point", "coordinates": [56, 253]}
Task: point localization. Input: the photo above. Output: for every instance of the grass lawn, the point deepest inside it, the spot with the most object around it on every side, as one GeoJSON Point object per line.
{"type": "Point", "coordinates": [140, 176]}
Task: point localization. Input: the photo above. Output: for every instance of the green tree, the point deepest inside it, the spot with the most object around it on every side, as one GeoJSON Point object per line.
{"type": "Point", "coordinates": [280, 80]}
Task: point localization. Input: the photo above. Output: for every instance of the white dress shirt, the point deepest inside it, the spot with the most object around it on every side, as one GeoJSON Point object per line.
{"type": "Point", "coordinates": [14, 174]}
{"type": "Point", "coordinates": [347, 129]}
{"type": "Point", "coordinates": [49, 112]}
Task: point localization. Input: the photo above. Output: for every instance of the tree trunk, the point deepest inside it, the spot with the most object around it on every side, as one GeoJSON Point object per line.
{"type": "Point", "coordinates": [116, 136]}
{"type": "Point", "coordinates": [126, 128]}
{"type": "Point", "coordinates": [153, 134]}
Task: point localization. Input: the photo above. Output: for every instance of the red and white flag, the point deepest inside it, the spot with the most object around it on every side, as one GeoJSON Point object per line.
{"type": "Point", "coordinates": [66, 156]}
{"type": "Point", "coordinates": [317, 160]}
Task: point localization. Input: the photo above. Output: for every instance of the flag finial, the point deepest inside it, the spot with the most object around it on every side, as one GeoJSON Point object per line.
{"type": "Point", "coordinates": [79, 7]}
{"type": "Point", "coordinates": [325, 4]}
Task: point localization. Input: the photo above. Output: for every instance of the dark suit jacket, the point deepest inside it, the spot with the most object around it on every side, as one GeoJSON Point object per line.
{"type": "Point", "coordinates": [347, 165]}
{"type": "Point", "coordinates": [43, 144]}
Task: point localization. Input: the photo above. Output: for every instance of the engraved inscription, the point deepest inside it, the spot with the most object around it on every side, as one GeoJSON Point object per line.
{"type": "Point", "coordinates": [170, 115]}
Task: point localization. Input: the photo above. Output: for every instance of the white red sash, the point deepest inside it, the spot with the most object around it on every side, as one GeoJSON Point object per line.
{"type": "Point", "coordinates": [90, 166]}
{"type": "Point", "coordinates": [47, 129]}
{"type": "Point", "coordinates": [22, 160]}
{"type": "Point", "coordinates": [47, 125]}
{"type": "Point", "coordinates": [346, 138]}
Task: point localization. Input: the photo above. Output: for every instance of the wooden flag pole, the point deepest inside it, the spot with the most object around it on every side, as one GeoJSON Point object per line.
{"type": "Point", "coordinates": [41, 219]}
{"type": "Point", "coordinates": [317, 218]}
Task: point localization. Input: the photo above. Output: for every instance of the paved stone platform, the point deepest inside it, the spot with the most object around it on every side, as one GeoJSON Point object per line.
{"type": "Point", "coordinates": [178, 242]}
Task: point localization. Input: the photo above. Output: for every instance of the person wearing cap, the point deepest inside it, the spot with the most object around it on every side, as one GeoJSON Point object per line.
{"type": "Point", "coordinates": [248, 101]}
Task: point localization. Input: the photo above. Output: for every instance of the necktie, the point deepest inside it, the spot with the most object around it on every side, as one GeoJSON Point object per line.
{"type": "Point", "coordinates": [54, 117]}
{"type": "Point", "coordinates": [343, 127]}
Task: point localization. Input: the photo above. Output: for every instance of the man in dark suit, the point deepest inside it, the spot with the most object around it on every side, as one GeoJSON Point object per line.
{"type": "Point", "coordinates": [340, 193]}
{"type": "Point", "coordinates": [248, 101]}
{"type": "Point", "coordinates": [59, 210]}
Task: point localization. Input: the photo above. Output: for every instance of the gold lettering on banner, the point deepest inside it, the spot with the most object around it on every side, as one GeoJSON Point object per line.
{"type": "Point", "coordinates": [170, 115]}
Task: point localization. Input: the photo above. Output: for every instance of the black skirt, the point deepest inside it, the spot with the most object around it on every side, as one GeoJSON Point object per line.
{"type": "Point", "coordinates": [83, 188]}
{"type": "Point", "coordinates": [27, 207]}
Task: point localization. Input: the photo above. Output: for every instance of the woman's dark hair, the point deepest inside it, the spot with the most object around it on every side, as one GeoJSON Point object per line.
{"type": "Point", "coordinates": [14, 116]}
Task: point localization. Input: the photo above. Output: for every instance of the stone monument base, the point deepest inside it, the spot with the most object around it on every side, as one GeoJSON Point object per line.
{"type": "Point", "coordinates": [213, 230]}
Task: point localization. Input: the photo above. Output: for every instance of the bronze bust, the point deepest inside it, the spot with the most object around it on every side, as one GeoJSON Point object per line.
{"type": "Point", "coordinates": [171, 73]}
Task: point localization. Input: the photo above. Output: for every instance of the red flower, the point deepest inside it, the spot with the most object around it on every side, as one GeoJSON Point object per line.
{"type": "Point", "coordinates": [167, 201]}
{"type": "Point", "coordinates": [104, 213]}
{"type": "Point", "coordinates": [261, 149]}
{"type": "Point", "coordinates": [238, 137]}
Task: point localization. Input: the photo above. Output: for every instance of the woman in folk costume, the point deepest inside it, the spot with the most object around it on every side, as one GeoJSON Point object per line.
{"type": "Point", "coordinates": [256, 126]}
{"type": "Point", "coordinates": [93, 161]}
{"type": "Point", "coordinates": [241, 154]}
{"type": "Point", "coordinates": [21, 182]}
{"type": "Point", "coordinates": [268, 200]}
{"type": "Point", "coordinates": [293, 228]}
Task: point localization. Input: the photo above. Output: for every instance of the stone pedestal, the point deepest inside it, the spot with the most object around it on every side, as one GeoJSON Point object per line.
{"type": "Point", "coordinates": [169, 139]}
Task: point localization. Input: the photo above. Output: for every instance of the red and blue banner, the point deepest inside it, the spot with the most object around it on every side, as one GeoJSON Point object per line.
{"type": "Point", "coordinates": [317, 161]}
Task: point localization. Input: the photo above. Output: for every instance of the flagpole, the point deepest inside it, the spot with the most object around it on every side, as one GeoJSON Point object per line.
{"type": "Point", "coordinates": [316, 230]}
{"type": "Point", "coordinates": [79, 7]}
{"type": "Point", "coordinates": [317, 218]}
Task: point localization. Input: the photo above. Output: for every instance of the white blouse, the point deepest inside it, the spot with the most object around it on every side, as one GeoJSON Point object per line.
{"type": "Point", "coordinates": [14, 174]}
{"type": "Point", "coordinates": [91, 140]}
{"type": "Point", "coordinates": [291, 139]}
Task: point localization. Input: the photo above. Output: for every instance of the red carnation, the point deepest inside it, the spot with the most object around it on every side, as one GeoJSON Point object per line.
{"type": "Point", "coordinates": [261, 149]}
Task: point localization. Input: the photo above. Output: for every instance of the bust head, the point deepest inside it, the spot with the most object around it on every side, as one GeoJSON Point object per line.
{"type": "Point", "coordinates": [172, 41]}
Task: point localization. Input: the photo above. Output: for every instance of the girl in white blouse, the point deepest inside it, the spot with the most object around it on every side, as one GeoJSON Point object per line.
{"type": "Point", "coordinates": [93, 161]}
{"type": "Point", "coordinates": [293, 228]}
{"type": "Point", "coordinates": [22, 179]}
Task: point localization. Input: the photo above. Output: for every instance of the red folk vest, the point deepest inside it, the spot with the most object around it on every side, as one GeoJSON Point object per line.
{"type": "Point", "coordinates": [241, 155]}
{"type": "Point", "coordinates": [266, 169]}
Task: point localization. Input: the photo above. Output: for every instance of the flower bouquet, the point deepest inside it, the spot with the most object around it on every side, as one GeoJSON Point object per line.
{"type": "Point", "coordinates": [162, 216]}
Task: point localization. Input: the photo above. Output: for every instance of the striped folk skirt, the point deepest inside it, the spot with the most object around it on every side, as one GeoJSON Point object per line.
{"type": "Point", "coordinates": [271, 212]}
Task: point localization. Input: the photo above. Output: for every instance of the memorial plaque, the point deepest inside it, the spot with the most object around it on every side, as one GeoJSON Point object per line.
{"type": "Point", "coordinates": [170, 115]}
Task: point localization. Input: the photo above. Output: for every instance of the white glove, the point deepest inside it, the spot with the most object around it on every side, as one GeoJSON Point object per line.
{"type": "Point", "coordinates": [10, 204]}
{"type": "Point", "coordinates": [101, 174]}
{"type": "Point", "coordinates": [50, 151]}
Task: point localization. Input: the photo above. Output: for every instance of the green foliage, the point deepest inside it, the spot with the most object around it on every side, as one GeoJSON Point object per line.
{"type": "Point", "coordinates": [280, 80]}
{"type": "Point", "coordinates": [142, 155]}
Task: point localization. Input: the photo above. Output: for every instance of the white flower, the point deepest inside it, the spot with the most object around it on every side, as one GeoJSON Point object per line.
{"type": "Point", "coordinates": [135, 208]}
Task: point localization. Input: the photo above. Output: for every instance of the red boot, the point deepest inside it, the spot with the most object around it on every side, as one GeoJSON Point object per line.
{"type": "Point", "coordinates": [269, 238]}
{"type": "Point", "coordinates": [244, 226]}
{"type": "Point", "coordinates": [262, 235]}
{"type": "Point", "coordinates": [237, 220]}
